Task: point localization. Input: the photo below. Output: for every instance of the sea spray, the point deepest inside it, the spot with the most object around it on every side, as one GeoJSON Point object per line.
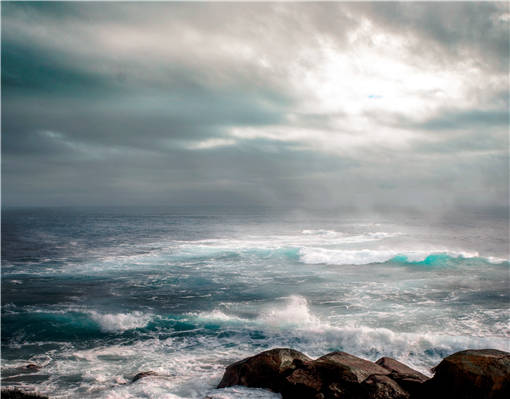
{"type": "Point", "coordinates": [93, 307]}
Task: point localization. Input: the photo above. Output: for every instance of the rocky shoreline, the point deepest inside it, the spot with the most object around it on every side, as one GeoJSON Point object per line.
{"type": "Point", "coordinates": [469, 374]}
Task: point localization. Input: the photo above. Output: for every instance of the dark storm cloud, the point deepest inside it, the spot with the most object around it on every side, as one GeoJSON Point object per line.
{"type": "Point", "coordinates": [311, 105]}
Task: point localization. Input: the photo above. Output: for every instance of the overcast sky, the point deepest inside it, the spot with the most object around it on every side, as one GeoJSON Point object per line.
{"type": "Point", "coordinates": [307, 105]}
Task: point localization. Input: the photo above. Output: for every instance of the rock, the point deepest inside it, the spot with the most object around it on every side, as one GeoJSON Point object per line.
{"type": "Point", "coordinates": [294, 375]}
{"type": "Point", "coordinates": [335, 375]}
{"type": "Point", "coordinates": [471, 374]}
{"type": "Point", "coordinates": [357, 369]}
{"type": "Point", "coordinates": [143, 374]}
{"type": "Point", "coordinates": [264, 370]}
{"type": "Point", "coordinates": [405, 376]}
{"type": "Point", "coordinates": [307, 380]}
{"type": "Point", "coordinates": [17, 394]}
{"type": "Point", "coordinates": [383, 387]}
{"type": "Point", "coordinates": [397, 368]}
{"type": "Point", "coordinates": [32, 366]}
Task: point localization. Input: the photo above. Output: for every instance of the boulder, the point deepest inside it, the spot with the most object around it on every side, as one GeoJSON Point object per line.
{"type": "Point", "coordinates": [313, 379]}
{"type": "Point", "coordinates": [352, 367]}
{"type": "Point", "coordinates": [32, 366]}
{"type": "Point", "coordinates": [296, 376]}
{"type": "Point", "coordinates": [383, 387]}
{"type": "Point", "coordinates": [143, 374]}
{"type": "Point", "coordinates": [264, 370]}
{"type": "Point", "coordinates": [405, 376]}
{"type": "Point", "coordinates": [335, 375]}
{"type": "Point", "coordinates": [472, 374]}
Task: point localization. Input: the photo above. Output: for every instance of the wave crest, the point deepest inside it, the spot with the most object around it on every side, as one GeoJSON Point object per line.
{"type": "Point", "coordinates": [294, 311]}
{"type": "Point", "coordinates": [314, 256]}
{"type": "Point", "coordinates": [119, 322]}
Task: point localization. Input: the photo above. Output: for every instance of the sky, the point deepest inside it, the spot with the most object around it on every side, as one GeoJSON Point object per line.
{"type": "Point", "coordinates": [293, 105]}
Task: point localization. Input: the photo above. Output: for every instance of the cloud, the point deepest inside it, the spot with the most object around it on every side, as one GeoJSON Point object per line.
{"type": "Point", "coordinates": [307, 105]}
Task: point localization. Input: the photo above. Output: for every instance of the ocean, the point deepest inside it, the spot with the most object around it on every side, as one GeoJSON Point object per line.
{"type": "Point", "coordinates": [95, 295]}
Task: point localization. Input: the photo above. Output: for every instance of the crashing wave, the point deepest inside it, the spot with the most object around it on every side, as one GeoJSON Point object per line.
{"type": "Point", "coordinates": [314, 256]}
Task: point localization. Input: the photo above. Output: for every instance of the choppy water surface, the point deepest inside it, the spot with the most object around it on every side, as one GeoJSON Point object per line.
{"type": "Point", "coordinates": [96, 296]}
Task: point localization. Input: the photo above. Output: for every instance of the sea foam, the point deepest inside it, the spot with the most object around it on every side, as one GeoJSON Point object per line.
{"type": "Point", "coordinates": [295, 311]}
{"type": "Point", "coordinates": [119, 322]}
{"type": "Point", "coordinates": [313, 256]}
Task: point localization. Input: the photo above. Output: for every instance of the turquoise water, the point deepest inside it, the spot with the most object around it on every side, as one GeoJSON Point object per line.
{"type": "Point", "coordinates": [95, 296]}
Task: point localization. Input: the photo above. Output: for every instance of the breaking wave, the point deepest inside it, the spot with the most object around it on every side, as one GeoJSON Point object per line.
{"type": "Point", "coordinates": [313, 256]}
{"type": "Point", "coordinates": [119, 322]}
{"type": "Point", "coordinates": [307, 332]}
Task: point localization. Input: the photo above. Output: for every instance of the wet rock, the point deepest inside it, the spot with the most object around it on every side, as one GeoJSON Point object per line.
{"type": "Point", "coordinates": [383, 387]}
{"type": "Point", "coordinates": [264, 370]}
{"type": "Point", "coordinates": [294, 375]}
{"type": "Point", "coordinates": [335, 375]}
{"type": "Point", "coordinates": [143, 374]}
{"type": "Point", "coordinates": [356, 368]}
{"type": "Point", "coordinates": [397, 368]}
{"type": "Point", "coordinates": [32, 366]}
{"type": "Point", "coordinates": [405, 376]}
{"type": "Point", "coordinates": [307, 380]}
{"type": "Point", "coordinates": [471, 374]}
{"type": "Point", "coordinates": [17, 394]}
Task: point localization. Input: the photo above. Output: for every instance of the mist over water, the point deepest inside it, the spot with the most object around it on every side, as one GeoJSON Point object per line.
{"type": "Point", "coordinates": [98, 295]}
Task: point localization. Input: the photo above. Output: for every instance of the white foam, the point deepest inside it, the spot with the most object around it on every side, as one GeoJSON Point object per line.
{"type": "Point", "coordinates": [191, 366]}
{"type": "Point", "coordinates": [111, 351]}
{"type": "Point", "coordinates": [313, 256]}
{"type": "Point", "coordinates": [307, 238]}
{"type": "Point", "coordinates": [217, 314]}
{"type": "Point", "coordinates": [331, 236]}
{"type": "Point", "coordinates": [119, 322]}
{"type": "Point", "coordinates": [495, 260]}
{"type": "Point", "coordinates": [293, 312]}
{"type": "Point", "coordinates": [321, 232]}
{"type": "Point", "coordinates": [239, 392]}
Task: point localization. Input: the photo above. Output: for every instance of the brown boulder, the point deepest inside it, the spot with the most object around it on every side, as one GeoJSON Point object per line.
{"type": "Point", "coordinates": [383, 387]}
{"type": "Point", "coordinates": [294, 375]}
{"type": "Point", "coordinates": [335, 375]}
{"type": "Point", "coordinates": [264, 370]}
{"type": "Point", "coordinates": [304, 382]}
{"type": "Point", "coordinates": [472, 374]}
{"type": "Point", "coordinates": [355, 368]}
{"type": "Point", "coordinates": [405, 376]}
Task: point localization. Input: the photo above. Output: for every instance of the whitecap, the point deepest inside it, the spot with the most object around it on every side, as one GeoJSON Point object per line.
{"type": "Point", "coordinates": [313, 255]}
{"type": "Point", "coordinates": [218, 315]}
{"type": "Point", "coordinates": [119, 322]}
{"type": "Point", "coordinates": [295, 311]}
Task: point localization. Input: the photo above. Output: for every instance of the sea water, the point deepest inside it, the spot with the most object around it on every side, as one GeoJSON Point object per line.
{"type": "Point", "coordinates": [95, 296]}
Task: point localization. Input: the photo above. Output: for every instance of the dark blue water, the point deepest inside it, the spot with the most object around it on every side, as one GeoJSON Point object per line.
{"type": "Point", "coordinates": [94, 296]}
